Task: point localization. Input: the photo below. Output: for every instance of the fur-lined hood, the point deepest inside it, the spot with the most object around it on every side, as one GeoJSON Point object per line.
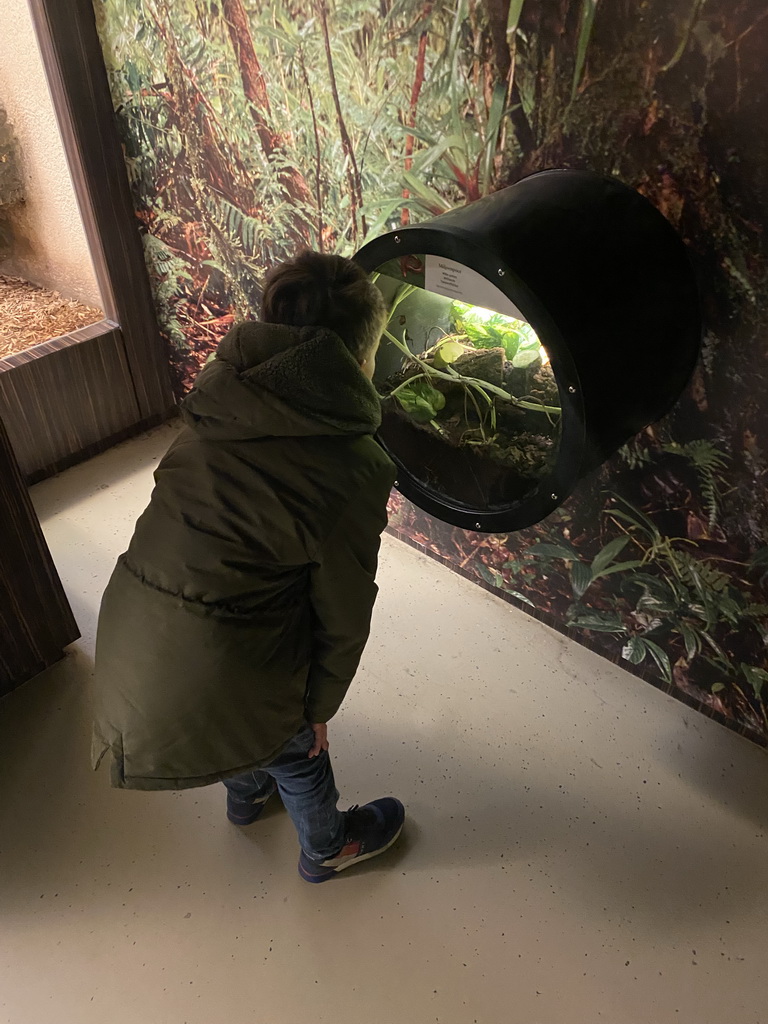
{"type": "Point", "coordinates": [270, 380]}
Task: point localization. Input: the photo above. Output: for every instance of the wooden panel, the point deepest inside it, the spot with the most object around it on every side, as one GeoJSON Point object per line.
{"type": "Point", "coordinates": [62, 398]}
{"type": "Point", "coordinates": [77, 77]}
{"type": "Point", "coordinates": [36, 622]}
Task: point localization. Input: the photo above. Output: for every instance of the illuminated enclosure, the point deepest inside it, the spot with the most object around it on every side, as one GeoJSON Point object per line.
{"type": "Point", "coordinates": [531, 334]}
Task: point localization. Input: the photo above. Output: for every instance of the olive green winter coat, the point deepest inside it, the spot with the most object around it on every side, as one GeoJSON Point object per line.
{"type": "Point", "coordinates": [243, 603]}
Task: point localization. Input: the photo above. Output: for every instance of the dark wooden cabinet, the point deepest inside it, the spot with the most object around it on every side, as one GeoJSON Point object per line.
{"type": "Point", "coordinates": [36, 622]}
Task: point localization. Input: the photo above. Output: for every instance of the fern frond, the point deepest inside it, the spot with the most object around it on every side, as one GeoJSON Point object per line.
{"type": "Point", "coordinates": [709, 463]}
{"type": "Point", "coordinates": [241, 229]}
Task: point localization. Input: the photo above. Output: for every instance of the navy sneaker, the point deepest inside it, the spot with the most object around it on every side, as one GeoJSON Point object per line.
{"type": "Point", "coordinates": [245, 812]}
{"type": "Point", "coordinates": [370, 830]}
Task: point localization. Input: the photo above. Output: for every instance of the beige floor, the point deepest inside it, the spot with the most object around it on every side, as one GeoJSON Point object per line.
{"type": "Point", "coordinates": [580, 847]}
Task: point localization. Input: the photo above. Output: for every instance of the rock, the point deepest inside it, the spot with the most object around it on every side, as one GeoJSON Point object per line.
{"type": "Point", "coordinates": [486, 364]}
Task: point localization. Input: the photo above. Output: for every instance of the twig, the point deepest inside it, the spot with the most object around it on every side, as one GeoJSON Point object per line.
{"type": "Point", "coordinates": [472, 553]}
{"type": "Point", "coordinates": [318, 163]}
{"type": "Point", "coordinates": [353, 172]}
{"type": "Point", "coordinates": [418, 81]}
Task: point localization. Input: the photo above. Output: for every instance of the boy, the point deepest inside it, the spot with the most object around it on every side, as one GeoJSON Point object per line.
{"type": "Point", "coordinates": [234, 624]}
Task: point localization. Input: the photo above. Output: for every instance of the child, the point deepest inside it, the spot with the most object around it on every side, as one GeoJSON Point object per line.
{"type": "Point", "coordinates": [234, 624]}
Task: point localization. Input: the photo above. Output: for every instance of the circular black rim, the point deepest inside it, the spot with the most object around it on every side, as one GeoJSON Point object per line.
{"type": "Point", "coordinates": [552, 490]}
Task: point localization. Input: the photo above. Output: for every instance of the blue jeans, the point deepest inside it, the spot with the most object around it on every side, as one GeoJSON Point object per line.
{"type": "Point", "coordinates": [307, 789]}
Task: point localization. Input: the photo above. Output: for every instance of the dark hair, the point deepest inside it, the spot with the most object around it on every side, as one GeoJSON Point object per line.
{"type": "Point", "coordinates": [317, 290]}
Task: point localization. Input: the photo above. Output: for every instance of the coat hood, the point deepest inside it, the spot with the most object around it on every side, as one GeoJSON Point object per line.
{"type": "Point", "coordinates": [271, 380]}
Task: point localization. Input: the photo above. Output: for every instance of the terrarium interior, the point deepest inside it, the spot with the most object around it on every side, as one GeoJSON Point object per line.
{"type": "Point", "coordinates": [471, 407]}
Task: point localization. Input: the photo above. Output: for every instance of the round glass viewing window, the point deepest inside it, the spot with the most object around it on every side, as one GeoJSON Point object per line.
{"type": "Point", "coordinates": [469, 396]}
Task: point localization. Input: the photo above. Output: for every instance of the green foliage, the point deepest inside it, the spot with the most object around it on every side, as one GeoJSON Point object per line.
{"type": "Point", "coordinates": [419, 394]}
{"type": "Point", "coordinates": [169, 275]}
{"type": "Point", "coordinates": [756, 677]}
{"type": "Point", "coordinates": [710, 464]}
{"type": "Point", "coordinates": [495, 330]}
{"type": "Point", "coordinates": [634, 455]}
{"type": "Point", "coordinates": [669, 599]}
{"type": "Point", "coordinates": [582, 573]}
{"type": "Point", "coordinates": [242, 229]}
{"type": "Point", "coordinates": [420, 399]}
{"type": "Point", "coordinates": [594, 620]}
{"type": "Point", "coordinates": [447, 352]}
{"type": "Point", "coordinates": [586, 20]}
{"type": "Point", "coordinates": [638, 648]}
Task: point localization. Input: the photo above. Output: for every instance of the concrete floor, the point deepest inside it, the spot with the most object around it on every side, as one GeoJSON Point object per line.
{"type": "Point", "coordinates": [579, 848]}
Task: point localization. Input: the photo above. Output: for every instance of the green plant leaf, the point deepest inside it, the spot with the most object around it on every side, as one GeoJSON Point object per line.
{"type": "Point", "coordinates": [388, 208]}
{"type": "Point", "coordinates": [717, 687]}
{"type": "Point", "coordinates": [756, 677]}
{"type": "Point", "coordinates": [605, 556]}
{"type": "Point", "coordinates": [598, 622]}
{"type": "Point", "coordinates": [435, 151]}
{"type": "Point", "coordinates": [420, 400]}
{"type": "Point", "coordinates": [448, 353]}
{"type": "Point", "coordinates": [661, 658]}
{"type": "Point", "coordinates": [513, 17]}
{"type": "Point", "coordinates": [634, 650]}
{"type": "Point", "coordinates": [588, 8]}
{"type": "Point", "coordinates": [546, 551]}
{"type": "Point", "coordinates": [493, 127]}
{"type": "Point", "coordinates": [691, 640]}
{"type": "Point", "coordinates": [514, 565]}
{"type": "Point", "coordinates": [635, 517]}
{"type": "Point", "coordinates": [432, 199]}
{"type": "Point", "coordinates": [521, 597]}
{"type": "Point", "coordinates": [492, 576]}
{"type": "Point", "coordinates": [619, 567]}
{"type": "Point", "coordinates": [581, 578]}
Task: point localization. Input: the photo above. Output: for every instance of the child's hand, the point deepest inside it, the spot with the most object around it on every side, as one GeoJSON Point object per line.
{"type": "Point", "coordinates": [321, 739]}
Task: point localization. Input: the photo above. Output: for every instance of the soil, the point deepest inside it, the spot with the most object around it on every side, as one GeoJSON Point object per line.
{"type": "Point", "coordinates": [457, 461]}
{"type": "Point", "coordinates": [30, 315]}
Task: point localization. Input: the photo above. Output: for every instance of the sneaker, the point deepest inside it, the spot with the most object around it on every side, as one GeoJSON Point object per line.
{"type": "Point", "coordinates": [370, 830]}
{"type": "Point", "coordinates": [245, 812]}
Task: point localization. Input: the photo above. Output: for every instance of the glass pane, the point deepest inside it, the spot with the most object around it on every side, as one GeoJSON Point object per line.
{"type": "Point", "coordinates": [470, 403]}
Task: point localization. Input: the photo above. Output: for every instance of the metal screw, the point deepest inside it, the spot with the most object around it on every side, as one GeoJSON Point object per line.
{"type": "Point", "coordinates": [553, 497]}
{"type": "Point", "coordinates": [397, 239]}
{"type": "Point", "coordinates": [500, 272]}
{"type": "Point", "coordinates": [397, 483]}
{"type": "Point", "coordinates": [572, 390]}
{"type": "Point", "coordinates": [478, 526]}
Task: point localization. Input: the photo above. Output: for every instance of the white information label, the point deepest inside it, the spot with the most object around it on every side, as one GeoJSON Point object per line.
{"type": "Point", "coordinates": [446, 277]}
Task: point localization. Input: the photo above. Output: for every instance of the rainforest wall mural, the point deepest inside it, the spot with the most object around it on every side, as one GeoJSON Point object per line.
{"type": "Point", "coordinates": [253, 129]}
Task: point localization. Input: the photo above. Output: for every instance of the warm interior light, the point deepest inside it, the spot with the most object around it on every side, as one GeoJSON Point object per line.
{"type": "Point", "coordinates": [487, 314]}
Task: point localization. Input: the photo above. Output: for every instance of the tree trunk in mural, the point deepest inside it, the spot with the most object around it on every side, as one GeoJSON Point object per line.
{"type": "Point", "coordinates": [503, 40]}
{"type": "Point", "coordinates": [418, 82]}
{"type": "Point", "coordinates": [255, 89]}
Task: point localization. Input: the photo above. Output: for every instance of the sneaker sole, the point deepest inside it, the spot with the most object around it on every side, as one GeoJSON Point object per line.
{"type": "Point", "coordinates": [351, 863]}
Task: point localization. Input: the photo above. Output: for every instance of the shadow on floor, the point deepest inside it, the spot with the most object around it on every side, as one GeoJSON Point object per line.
{"type": "Point", "coordinates": [104, 471]}
{"type": "Point", "coordinates": [67, 836]}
